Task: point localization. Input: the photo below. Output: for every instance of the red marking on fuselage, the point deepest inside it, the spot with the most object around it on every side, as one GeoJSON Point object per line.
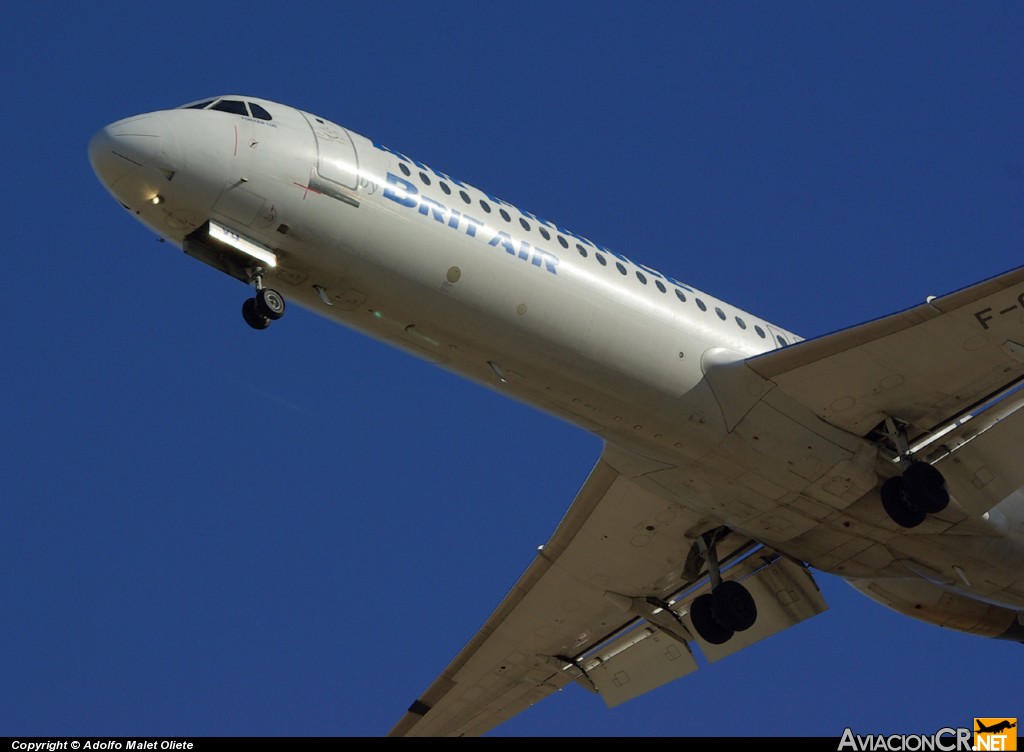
{"type": "Point", "coordinates": [306, 189]}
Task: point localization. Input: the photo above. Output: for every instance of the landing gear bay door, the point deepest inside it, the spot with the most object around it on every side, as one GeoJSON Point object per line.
{"type": "Point", "coordinates": [647, 657]}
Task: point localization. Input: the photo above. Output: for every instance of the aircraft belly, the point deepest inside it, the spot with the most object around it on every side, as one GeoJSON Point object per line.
{"type": "Point", "coordinates": [772, 477]}
{"type": "Point", "coordinates": [602, 368]}
{"type": "Point", "coordinates": [979, 565]}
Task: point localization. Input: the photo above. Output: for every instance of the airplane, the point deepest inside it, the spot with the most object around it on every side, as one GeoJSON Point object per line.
{"type": "Point", "coordinates": [737, 456]}
{"type": "Point", "coordinates": [996, 727]}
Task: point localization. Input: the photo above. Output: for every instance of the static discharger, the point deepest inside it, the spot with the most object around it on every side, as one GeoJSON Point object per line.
{"type": "Point", "coordinates": [497, 371]}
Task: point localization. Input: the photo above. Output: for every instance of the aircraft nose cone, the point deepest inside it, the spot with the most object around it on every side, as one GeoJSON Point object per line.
{"type": "Point", "coordinates": [109, 164]}
{"type": "Point", "coordinates": [127, 144]}
{"type": "Point", "coordinates": [128, 147]}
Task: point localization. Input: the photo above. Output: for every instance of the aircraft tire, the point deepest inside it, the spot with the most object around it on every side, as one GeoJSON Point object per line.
{"type": "Point", "coordinates": [734, 606]}
{"type": "Point", "coordinates": [252, 318]}
{"type": "Point", "coordinates": [924, 488]}
{"type": "Point", "coordinates": [896, 506]}
{"type": "Point", "coordinates": [269, 304]}
{"type": "Point", "coordinates": [702, 614]}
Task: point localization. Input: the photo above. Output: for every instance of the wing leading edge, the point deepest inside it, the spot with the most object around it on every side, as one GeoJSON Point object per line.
{"type": "Point", "coordinates": [925, 365]}
{"type": "Point", "coordinates": [580, 612]}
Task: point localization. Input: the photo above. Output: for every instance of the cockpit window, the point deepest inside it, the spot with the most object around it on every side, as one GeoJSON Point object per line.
{"type": "Point", "coordinates": [259, 112]}
{"type": "Point", "coordinates": [233, 106]}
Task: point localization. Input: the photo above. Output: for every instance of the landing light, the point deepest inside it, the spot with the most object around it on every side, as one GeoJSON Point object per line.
{"type": "Point", "coordinates": [156, 199]}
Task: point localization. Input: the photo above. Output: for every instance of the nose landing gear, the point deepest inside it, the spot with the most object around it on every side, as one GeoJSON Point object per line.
{"type": "Point", "coordinates": [266, 306]}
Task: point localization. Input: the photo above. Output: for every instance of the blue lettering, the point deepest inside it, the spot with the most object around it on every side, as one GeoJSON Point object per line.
{"type": "Point", "coordinates": [505, 241]}
{"type": "Point", "coordinates": [405, 193]}
{"type": "Point", "coordinates": [400, 191]}
{"type": "Point", "coordinates": [437, 210]}
{"type": "Point", "coordinates": [549, 260]}
{"type": "Point", "coordinates": [472, 225]}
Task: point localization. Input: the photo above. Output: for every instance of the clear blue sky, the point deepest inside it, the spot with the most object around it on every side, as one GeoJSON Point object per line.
{"type": "Point", "coordinates": [209, 530]}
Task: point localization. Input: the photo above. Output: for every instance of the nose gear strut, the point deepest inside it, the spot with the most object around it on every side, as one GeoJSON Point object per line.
{"type": "Point", "coordinates": [266, 306]}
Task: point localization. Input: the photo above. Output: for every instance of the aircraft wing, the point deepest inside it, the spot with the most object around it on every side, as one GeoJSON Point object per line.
{"type": "Point", "coordinates": [925, 366]}
{"type": "Point", "coordinates": [981, 458]}
{"type": "Point", "coordinates": [581, 612]}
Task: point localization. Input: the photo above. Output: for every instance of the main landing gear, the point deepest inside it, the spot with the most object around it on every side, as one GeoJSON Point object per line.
{"type": "Point", "coordinates": [909, 498]}
{"type": "Point", "coordinates": [266, 306]}
{"type": "Point", "coordinates": [921, 490]}
{"type": "Point", "coordinates": [729, 607]}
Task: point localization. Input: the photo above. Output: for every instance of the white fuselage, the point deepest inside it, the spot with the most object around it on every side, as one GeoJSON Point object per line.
{"type": "Point", "coordinates": [381, 243]}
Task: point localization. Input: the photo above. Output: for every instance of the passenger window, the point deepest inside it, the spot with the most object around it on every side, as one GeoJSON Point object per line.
{"type": "Point", "coordinates": [563, 242]}
{"type": "Point", "coordinates": [759, 330]}
{"type": "Point", "coordinates": [485, 206]}
{"type": "Point", "coordinates": [661, 287]}
{"type": "Point", "coordinates": [741, 323]}
{"type": "Point", "coordinates": [445, 188]}
{"type": "Point", "coordinates": [424, 178]}
{"type": "Point", "coordinates": [259, 112]}
{"type": "Point", "coordinates": [700, 304]}
{"type": "Point", "coordinates": [642, 278]}
{"type": "Point", "coordinates": [680, 295]}
{"type": "Point", "coordinates": [600, 259]}
{"type": "Point", "coordinates": [404, 169]}
{"type": "Point", "coordinates": [525, 224]}
{"type": "Point", "coordinates": [465, 197]}
{"type": "Point", "coordinates": [721, 313]}
{"type": "Point", "coordinates": [544, 233]}
{"type": "Point", "coordinates": [582, 250]}
{"type": "Point", "coordinates": [782, 340]}
{"type": "Point", "coordinates": [233, 106]}
{"type": "Point", "coordinates": [620, 267]}
{"type": "Point", "coordinates": [504, 215]}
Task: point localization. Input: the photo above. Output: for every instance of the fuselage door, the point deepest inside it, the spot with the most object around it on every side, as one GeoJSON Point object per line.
{"type": "Point", "coordinates": [336, 173]}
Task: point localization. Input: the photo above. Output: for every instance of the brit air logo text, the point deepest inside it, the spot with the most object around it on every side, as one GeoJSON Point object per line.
{"type": "Point", "coordinates": [404, 193]}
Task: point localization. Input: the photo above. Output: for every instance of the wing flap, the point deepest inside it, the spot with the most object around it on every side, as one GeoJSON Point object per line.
{"type": "Point", "coordinates": [985, 468]}
{"type": "Point", "coordinates": [649, 660]}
